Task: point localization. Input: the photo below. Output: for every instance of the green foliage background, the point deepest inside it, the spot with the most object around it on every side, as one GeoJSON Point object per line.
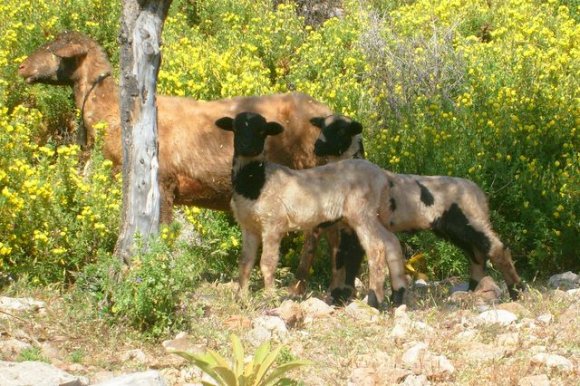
{"type": "Point", "coordinates": [483, 90]}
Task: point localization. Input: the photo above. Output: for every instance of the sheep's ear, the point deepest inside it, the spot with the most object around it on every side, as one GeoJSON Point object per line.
{"type": "Point", "coordinates": [273, 128]}
{"type": "Point", "coordinates": [318, 122]}
{"type": "Point", "coordinates": [225, 123]}
{"type": "Point", "coordinates": [70, 51]}
{"type": "Point", "coordinates": [355, 128]}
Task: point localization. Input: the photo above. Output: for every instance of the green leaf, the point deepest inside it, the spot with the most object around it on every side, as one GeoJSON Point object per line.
{"type": "Point", "coordinates": [282, 369]}
{"type": "Point", "coordinates": [266, 363]}
{"type": "Point", "coordinates": [227, 376]}
{"type": "Point", "coordinates": [238, 350]}
{"type": "Point", "coordinates": [261, 352]}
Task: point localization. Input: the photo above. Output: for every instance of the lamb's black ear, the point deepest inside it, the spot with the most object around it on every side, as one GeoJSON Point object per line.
{"type": "Point", "coordinates": [273, 128]}
{"type": "Point", "coordinates": [318, 122]}
{"type": "Point", "coordinates": [355, 128]}
{"type": "Point", "coordinates": [225, 123]}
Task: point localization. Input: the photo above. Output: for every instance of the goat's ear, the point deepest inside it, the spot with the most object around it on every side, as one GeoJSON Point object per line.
{"type": "Point", "coordinates": [225, 123]}
{"type": "Point", "coordinates": [70, 51]}
{"type": "Point", "coordinates": [318, 122]}
{"type": "Point", "coordinates": [273, 128]}
{"type": "Point", "coordinates": [355, 128]}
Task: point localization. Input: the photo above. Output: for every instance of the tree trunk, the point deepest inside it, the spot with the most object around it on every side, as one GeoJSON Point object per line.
{"type": "Point", "coordinates": [141, 26]}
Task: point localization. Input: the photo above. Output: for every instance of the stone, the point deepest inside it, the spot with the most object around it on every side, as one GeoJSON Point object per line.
{"type": "Point", "coordinates": [136, 355]}
{"type": "Point", "coordinates": [508, 339]}
{"type": "Point", "coordinates": [291, 313]}
{"type": "Point", "coordinates": [515, 308]}
{"type": "Point", "coordinates": [37, 374]}
{"type": "Point", "coordinates": [414, 354]}
{"type": "Point", "coordinates": [11, 348]}
{"type": "Point", "coordinates": [266, 328]}
{"type": "Point", "coordinates": [573, 293]}
{"type": "Point", "coordinates": [487, 289]}
{"type": "Point", "coordinates": [182, 343]}
{"type": "Point", "coordinates": [9, 305]}
{"type": "Point", "coordinates": [145, 378]}
{"type": "Point", "coordinates": [315, 308]}
{"type": "Point", "coordinates": [362, 311]}
{"type": "Point", "coordinates": [501, 317]}
{"type": "Point", "coordinates": [416, 380]}
{"type": "Point", "coordinates": [535, 380]}
{"type": "Point", "coordinates": [460, 287]}
{"type": "Point", "coordinates": [363, 376]}
{"type": "Point", "coordinates": [553, 360]}
{"type": "Point", "coordinates": [545, 319]}
{"type": "Point", "coordinates": [565, 281]}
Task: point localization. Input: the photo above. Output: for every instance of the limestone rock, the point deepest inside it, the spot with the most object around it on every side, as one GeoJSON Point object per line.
{"type": "Point", "coordinates": [136, 355]}
{"type": "Point", "coordinates": [422, 361]}
{"type": "Point", "coordinates": [11, 348]}
{"type": "Point", "coordinates": [416, 380]}
{"type": "Point", "coordinates": [501, 317]}
{"type": "Point", "coordinates": [10, 305]}
{"type": "Point", "coordinates": [535, 380]}
{"type": "Point", "coordinates": [291, 313]}
{"type": "Point", "coordinates": [553, 360]}
{"type": "Point", "coordinates": [315, 308]}
{"type": "Point", "coordinates": [545, 319]}
{"type": "Point", "coordinates": [567, 280]}
{"type": "Point", "coordinates": [145, 378]}
{"type": "Point", "coordinates": [363, 376]}
{"type": "Point", "coordinates": [362, 311]}
{"type": "Point", "coordinates": [37, 374]}
{"type": "Point", "coordinates": [266, 328]}
{"type": "Point", "coordinates": [487, 289]}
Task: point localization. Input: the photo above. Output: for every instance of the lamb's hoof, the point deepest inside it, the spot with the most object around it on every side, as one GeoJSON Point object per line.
{"type": "Point", "coordinates": [516, 290]}
{"type": "Point", "coordinates": [398, 297]}
{"type": "Point", "coordinates": [372, 300]}
{"type": "Point", "coordinates": [341, 295]}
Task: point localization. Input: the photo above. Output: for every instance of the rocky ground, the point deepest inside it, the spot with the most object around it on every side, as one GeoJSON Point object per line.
{"type": "Point", "coordinates": [445, 336]}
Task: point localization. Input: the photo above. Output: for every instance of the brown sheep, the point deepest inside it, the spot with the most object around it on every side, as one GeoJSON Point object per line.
{"type": "Point", "coordinates": [269, 200]}
{"type": "Point", "coordinates": [194, 157]}
{"type": "Point", "coordinates": [453, 208]}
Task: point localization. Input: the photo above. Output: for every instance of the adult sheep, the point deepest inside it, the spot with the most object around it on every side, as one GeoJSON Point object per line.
{"type": "Point", "coordinates": [194, 156]}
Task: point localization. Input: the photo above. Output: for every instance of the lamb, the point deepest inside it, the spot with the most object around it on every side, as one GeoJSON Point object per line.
{"type": "Point", "coordinates": [453, 208]}
{"type": "Point", "coordinates": [194, 157]}
{"type": "Point", "coordinates": [270, 199]}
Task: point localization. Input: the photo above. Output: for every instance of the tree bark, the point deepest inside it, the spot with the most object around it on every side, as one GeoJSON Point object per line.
{"type": "Point", "coordinates": [140, 38]}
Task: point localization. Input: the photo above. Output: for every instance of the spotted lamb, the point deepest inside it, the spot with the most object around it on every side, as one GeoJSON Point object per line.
{"type": "Point", "coordinates": [453, 208]}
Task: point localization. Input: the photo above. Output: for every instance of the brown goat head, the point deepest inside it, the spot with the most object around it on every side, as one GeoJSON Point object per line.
{"type": "Point", "coordinates": [56, 62]}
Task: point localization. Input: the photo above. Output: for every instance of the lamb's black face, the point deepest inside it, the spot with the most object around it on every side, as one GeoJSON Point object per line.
{"type": "Point", "coordinates": [337, 135]}
{"type": "Point", "coordinates": [250, 132]}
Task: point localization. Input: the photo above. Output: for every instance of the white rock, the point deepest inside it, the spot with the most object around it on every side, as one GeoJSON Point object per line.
{"type": "Point", "coordinates": [416, 380]}
{"type": "Point", "coordinates": [362, 311]}
{"type": "Point", "coordinates": [362, 376]}
{"type": "Point", "coordinates": [573, 292]}
{"type": "Point", "coordinates": [413, 355]}
{"type": "Point", "coordinates": [553, 360]}
{"type": "Point", "coordinates": [315, 308]}
{"type": "Point", "coordinates": [566, 280]}
{"type": "Point", "coordinates": [535, 380]}
{"type": "Point", "coordinates": [501, 317]}
{"type": "Point", "coordinates": [266, 328]}
{"type": "Point", "coordinates": [37, 374]}
{"type": "Point", "coordinates": [145, 378]}
{"type": "Point", "coordinates": [20, 304]}
{"type": "Point", "coordinates": [508, 339]}
{"type": "Point", "coordinates": [13, 347]}
{"type": "Point", "coordinates": [546, 318]}
{"type": "Point", "coordinates": [136, 355]}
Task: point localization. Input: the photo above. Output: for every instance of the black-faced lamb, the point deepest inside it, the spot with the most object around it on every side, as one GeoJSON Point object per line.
{"type": "Point", "coordinates": [270, 200]}
{"type": "Point", "coordinates": [453, 208]}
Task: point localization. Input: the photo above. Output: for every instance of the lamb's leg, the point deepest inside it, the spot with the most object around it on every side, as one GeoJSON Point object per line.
{"type": "Point", "coordinates": [348, 261]}
{"type": "Point", "coordinates": [250, 245]}
{"type": "Point", "coordinates": [476, 269]}
{"type": "Point", "coordinates": [270, 256]}
{"type": "Point", "coordinates": [311, 239]}
{"type": "Point", "coordinates": [383, 249]}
